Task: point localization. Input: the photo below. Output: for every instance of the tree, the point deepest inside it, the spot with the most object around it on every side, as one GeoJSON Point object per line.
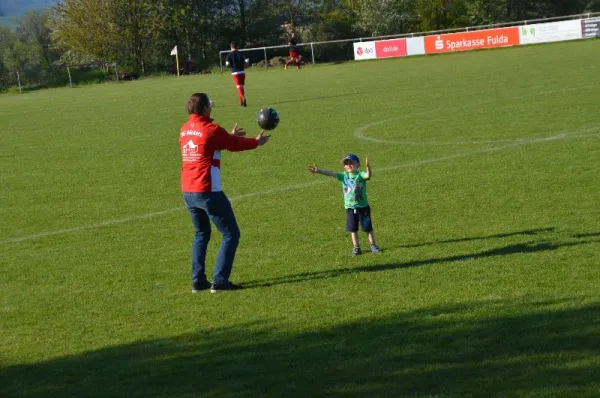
{"type": "Point", "coordinates": [333, 24]}
{"type": "Point", "coordinates": [263, 23]}
{"type": "Point", "coordinates": [7, 36]}
{"type": "Point", "coordinates": [33, 27]}
{"type": "Point", "coordinates": [19, 55]}
{"type": "Point", "coordinates": [485, 12]}
{"type": "Point", "coordinates": [385, 17]}
{"type": "Point", "coordinates": [592, 6]}
{"type": "Point", "coordinates": [133, 21]}
{"type": "Point", "coordinates": [86, 27]}
{"type": "Point", "coordinates": [442, 14]}
{"type": "Point", "coordinates": [298, 14]}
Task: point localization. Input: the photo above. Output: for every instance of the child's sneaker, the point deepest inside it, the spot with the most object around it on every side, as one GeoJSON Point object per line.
{"type": "Point", "coordinates": [356, 251]}
{"type": "Point", "coordinates": [375, 249]}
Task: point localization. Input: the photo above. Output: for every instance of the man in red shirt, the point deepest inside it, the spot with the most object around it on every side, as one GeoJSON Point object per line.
{"type": "Point", "coordinates": [201, 142]}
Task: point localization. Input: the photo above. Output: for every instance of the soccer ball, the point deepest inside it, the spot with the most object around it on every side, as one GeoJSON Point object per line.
{"type": "Point", "coordinates": [267, 118]}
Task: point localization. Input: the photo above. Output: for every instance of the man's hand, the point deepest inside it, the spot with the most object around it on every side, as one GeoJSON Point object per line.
{"type": "Point", "coordinates": [238, 131]}
{"type": "Point", "coordinates": [313, 168]}
{"type": "Point", "coordinates": [366, 161]}
{"type": "Point", "coordinates": [261, 138]}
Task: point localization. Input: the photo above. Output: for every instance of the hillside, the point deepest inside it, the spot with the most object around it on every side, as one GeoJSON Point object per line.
{"type": "Point", "coordinates": [15, 8]}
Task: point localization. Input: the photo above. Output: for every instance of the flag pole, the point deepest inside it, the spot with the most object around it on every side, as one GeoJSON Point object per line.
{"type": "Point", "coordinates": [176, 54]}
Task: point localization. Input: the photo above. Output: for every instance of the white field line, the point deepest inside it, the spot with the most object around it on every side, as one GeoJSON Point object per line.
{"type": "Point", "coordinates": [360, 131]}
{"type": "Point", "coordinates": [91, 226]}
{"type": "Point", "coordinates": [152, 214]}
{"type": "Point", "coordinates": [588, 132]}
{"type": "Point", "coordinates": [563, 135]}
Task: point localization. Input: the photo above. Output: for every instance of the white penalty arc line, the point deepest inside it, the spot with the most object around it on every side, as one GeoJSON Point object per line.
{"type": "Point", "coordinates": [360, 131]}
{"type": "Point", "coordinates": [564, 135]}
{"type": "Point", "coordinates": [561, 136]}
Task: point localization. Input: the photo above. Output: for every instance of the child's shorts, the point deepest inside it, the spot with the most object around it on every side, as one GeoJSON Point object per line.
{"type": "Point", "coordinates": [360, 216]}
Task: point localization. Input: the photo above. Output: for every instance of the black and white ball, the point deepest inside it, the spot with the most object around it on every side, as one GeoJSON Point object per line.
{"type": "Point", "coordinates": [268, 118]}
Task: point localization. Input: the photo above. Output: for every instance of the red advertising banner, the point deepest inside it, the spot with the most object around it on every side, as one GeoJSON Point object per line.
{"type": "Point", "coordinates": [390, 48]}
{"type": "Point", "coordinates": [475, 40]}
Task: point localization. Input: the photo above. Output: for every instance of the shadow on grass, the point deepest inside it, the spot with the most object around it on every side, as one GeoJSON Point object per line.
{"type": "Point", "coordinates": [590, 235]}
{"type": "Point", "coordinates": [519, 248]}
{"type": "Point", "coordinates": [490, 348]}
{"type": "Point", "coordinates": [527, 232]}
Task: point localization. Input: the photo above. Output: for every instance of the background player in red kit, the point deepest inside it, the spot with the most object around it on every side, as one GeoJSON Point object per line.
{"type": "Point", "coordinates": [201, 142]}
{"type": "Point", "coordinates": [235, 60]}
{"type": "Point", "coordinates": [294, 54]}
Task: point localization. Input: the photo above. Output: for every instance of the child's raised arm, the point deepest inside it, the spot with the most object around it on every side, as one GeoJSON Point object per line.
{"type": "Point", "coordinates": [314, 169]}
{"type": "Point", "coordinates": [368, 173]}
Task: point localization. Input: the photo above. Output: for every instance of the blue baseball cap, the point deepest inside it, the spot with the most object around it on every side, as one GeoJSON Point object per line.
{"type": "Point", "coordinates": [351, 157]}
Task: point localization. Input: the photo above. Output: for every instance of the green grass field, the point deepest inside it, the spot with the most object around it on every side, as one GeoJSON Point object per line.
{"type": "Point", "coordinates": [485, 197]}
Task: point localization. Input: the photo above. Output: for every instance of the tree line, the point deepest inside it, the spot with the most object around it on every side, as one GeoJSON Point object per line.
{"type": "Point", "coordinates": [139, 34]}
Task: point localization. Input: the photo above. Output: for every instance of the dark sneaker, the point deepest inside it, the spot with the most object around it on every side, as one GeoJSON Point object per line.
{"type": "Point", "coordinates": [356, 251]}
{"type": "Point", "coordinates": [219, 288]}
{"type": "Point", "coordinates": [244, 103]}
{"type": "Point", "coordinates": [199, 286]}
{"type": "Point", "coordinates": [375, 249]}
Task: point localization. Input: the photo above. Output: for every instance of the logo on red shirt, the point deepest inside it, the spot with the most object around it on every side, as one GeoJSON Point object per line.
{"type": "Point", "coordinates": [190, 147]}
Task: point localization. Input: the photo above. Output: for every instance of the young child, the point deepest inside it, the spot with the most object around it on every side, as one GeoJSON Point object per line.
{"type": "Point", "coordinates": [354, 185]}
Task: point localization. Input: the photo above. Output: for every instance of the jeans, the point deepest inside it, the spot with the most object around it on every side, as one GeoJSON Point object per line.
{"type": "Point", "coordinates": [203, 208]}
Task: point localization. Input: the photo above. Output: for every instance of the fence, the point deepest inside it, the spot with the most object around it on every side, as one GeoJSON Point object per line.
{"type": "Point", "coordinates": [343, 50]}
{"type": "Point", "coordinates": [57, 76]}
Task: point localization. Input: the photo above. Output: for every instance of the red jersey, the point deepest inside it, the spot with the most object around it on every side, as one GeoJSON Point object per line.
{"type": "Point", "coordinates": [201, 142]}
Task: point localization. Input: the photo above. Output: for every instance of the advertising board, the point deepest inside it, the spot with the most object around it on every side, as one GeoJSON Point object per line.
{"type": "Point", "coordinates": [364, 50]}
{"type": "Point", "coordinates": [475, 40]}
{"type": "Point", "coordinates": [590, 27]}
{"type": "Point", "coordinates": [415, 46]}
{"type": "Point", "coordinates": [550, 32]}
{"type": "Point", "coordinates": [390, 48]}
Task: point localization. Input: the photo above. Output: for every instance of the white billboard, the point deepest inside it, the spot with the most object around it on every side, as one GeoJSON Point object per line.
{"type": "Point", "coordinates": [549, 32]}
{"type": "Point", "coordinates": [366, 49]}
{"type": "Point", "coordinates": [415, 46]}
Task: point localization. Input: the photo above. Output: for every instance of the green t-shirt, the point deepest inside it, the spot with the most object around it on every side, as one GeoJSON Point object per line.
{"type": "Point", "coordinates": [354, 186]}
